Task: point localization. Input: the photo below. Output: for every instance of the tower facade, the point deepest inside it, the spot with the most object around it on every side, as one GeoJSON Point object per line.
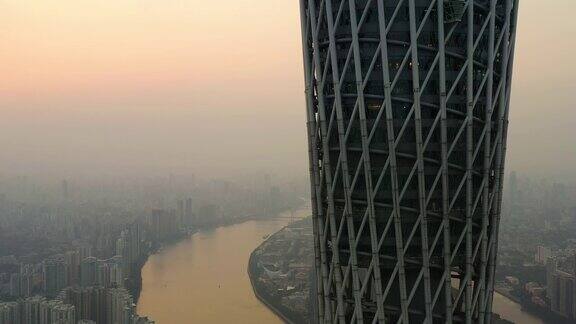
{"type": "Point", "coordinates": [407, 107]}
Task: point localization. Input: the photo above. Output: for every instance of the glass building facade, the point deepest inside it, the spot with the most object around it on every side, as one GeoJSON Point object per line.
{"type": "Point", "coordinates": [407, 107]}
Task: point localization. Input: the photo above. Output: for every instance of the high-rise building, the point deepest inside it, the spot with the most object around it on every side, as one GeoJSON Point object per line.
{"type": "Point", "coordinates": [62, 313]}
{"type": "Point", "coordinates": [129, 243]}
{"type": "Point", "coordinates": [102, 305]}
{"type": "Point", "coordinates": [21, 284]}
{"type": "Point", "coordinates": [55, 273]}
{"type": "Point", "coordinates": [189, 213]}
{"type": "Point", "coordinates": [180, 213]}
{"type": "Point", "coordinates": [73, 263]}
{"type": "Point", "coordinates": [561, 288]}
{"type": "Point", "coordinates": [10, 313]}
{"type": "Point", "coordinates": [513, 189]}
{"type": "Point", "coordinates": [88, 272]}
{"type": "Point", "coordinates": [85, 251]}
{"type": "Point", "coordinates": [408, 106]}
{"type": "Point", "coordinates": [15, 285]}
{"type": "Point", "coordinates": [109, 272]}
{"type": "Point", "coordinates": [96, 305]}
{"type": "Point", "coordinates": [31, 309]}
{"type": "Point", "coordinates": [37, 310]}
{"type": "Point", "coordinates": [542, 255]}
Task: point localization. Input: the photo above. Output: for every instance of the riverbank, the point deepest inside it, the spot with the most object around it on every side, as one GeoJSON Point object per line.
{"type": "Point", "coordinates": [527, 305]}
{"type": "Point", "coordinates": [134, 285]}
{"type": "Point", "coordinates": [280, 271]}
{"type": "Point", "coordinates": [506, 293]}
{"type": "Point", "coordinates": [259, 294]}
{"type": "Point", "coordinates": [268, 272]}
{"type": "Point", "coordinates": [204, 279]}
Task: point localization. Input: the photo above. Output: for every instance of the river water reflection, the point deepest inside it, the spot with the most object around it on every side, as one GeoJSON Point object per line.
{"type": "Point", "coordinates": [203, 279]}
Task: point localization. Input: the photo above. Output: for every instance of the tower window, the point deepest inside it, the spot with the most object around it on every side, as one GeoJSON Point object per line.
{"type": "Point", "coordinates": [453, 10]}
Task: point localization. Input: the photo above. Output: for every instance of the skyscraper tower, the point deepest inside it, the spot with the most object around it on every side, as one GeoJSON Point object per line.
{"type": "Point", "coordinates": [407, 106]}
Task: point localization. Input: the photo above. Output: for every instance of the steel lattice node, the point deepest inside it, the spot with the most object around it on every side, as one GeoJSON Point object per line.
{"type": "Point", "coordinates": [407, 107]}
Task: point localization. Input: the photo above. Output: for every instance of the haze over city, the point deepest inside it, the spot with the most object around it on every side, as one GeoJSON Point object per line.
{"type": "Point", "coordinates": [148, 87]}
{"type": "Point", "coordinates": [161, 161]}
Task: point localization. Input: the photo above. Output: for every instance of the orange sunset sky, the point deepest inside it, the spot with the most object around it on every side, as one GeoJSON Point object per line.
{"type": "Point", "coordinates": [137, 86]}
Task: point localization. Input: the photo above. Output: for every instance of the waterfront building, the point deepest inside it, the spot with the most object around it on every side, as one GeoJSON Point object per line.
{"type": "Point", "coordinates": [181, 213]}
{"type": "Point", "coordinates": [109, 272]}
{"type": "Point", "coordinates": [90, 302]}
{"type": "Point", "coordinates": [561, 288]}
{"type": "Point", "coordinates": [102, 305]}
{"type": "Point", "coordinates": [37, 310]}
{"type": "Point", "coordinates": [119, 306]}
{"type": "Point", "coordinates": [163, 223]}
{"type": "Point", "coordinates": [128, 247]}
{"type": "Point", "coordinates": [105, 273]}
{"type": "Point", "coordinates": [133, 241]}
{"type": "Point", "coordinates": [189, 213]}
{"type": "Point", "coordinates": [408, 105]}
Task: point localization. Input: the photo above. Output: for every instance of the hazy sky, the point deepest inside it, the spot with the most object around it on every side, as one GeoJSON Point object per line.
{"type": "Point", "coordinates": [137, 86]}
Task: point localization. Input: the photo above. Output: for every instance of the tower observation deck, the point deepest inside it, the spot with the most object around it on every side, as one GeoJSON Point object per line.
{"type": "Point", "coordinates": [407, 107]}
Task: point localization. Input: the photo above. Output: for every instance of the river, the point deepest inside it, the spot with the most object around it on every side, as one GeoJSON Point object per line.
{"type": "Point", "coordinates": [203, 279]}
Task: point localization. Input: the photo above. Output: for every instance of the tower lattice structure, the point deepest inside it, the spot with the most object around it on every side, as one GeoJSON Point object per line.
{"type": "Point", "coordinates": [407, 109]}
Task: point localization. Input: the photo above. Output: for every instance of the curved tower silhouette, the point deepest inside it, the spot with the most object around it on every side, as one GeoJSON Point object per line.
{"type": "Point", "coordinates": [407, 106]}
